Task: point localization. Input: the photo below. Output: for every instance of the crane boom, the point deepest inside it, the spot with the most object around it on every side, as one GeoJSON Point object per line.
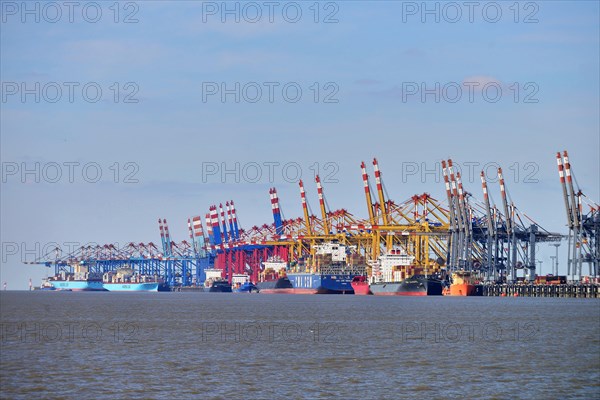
{"type": "Point", "coordinates": [322, 204]}
{"type": "Point", "coordinates": [367, 192]}
{"type": "Point", "coordinates": [382, 204]}
{"type": "Point", "coordinates": [305, 209]}
{"type": "Point", "coordinates": [574, 207]}
{"type": "Point", "coordinates": [504, 202]}
{"type": "Point", "coordinates": [486, 199]}
{"type": "Point", "coordinates": [561, 175]}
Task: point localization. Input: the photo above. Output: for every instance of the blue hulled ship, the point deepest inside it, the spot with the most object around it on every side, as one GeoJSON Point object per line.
{"type": "Point", "coordinates": [335, 266]}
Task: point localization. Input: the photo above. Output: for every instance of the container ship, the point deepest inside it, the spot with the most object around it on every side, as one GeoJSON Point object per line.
{"type": "Point", "coordinates": [127, 280]}
{"type": "Point", "coordinates": [415, 285]}
{"type": "Point", "coordinates": [334, 271]}
{"type": "Point", "coordinates": [81, 280]}
{"type": "Point", "coordinates": [273, 279]}
{"type": "Point", "coordinates": [326, 282]}
{"type": "Point", "coordinates": [395, 275]}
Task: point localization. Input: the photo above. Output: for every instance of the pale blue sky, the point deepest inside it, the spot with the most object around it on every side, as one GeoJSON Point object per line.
{"type": "Point", "coordinates": [368, 54]}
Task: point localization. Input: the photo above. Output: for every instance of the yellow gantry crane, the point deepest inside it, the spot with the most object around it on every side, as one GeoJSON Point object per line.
{"type": "Point", "coordinates": [391, 225]}
{"type": "Point", "coordinates": [419, 226]}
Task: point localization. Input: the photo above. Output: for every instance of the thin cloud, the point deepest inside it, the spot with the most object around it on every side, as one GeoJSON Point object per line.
{"type": "Point", "coordinates": [228, 59]}
{"type": "Point", "coordinates": [479, 81]}
{"type": "Point", "coordinates": [554, 38]}
{"type": "Point", "coordinates": [111, 52]}
{"type": "Point", "coordinates": [367, 82]}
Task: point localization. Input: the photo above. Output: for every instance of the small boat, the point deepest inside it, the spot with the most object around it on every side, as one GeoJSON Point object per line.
{"type": "Point", "coordinates": [46, 285]}
{"type": "Point", "coordinates": [360, 284]}
{"type": "Point", "coordinates": [241, 284]}
{"type": "Point", "coordinates": [247, 287]}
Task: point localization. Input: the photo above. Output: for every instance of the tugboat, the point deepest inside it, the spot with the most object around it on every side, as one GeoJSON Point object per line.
{"type": "Point", "coordinates": [46, 285]}
{"type": "Point", "coordinates": [247, 287]}
{"type": "Point", "coordinates": [240, 283]}
{"type": "Point", "coordinates": [463, 284]}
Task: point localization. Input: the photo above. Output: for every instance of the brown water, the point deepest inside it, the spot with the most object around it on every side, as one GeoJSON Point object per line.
{"type": "Point", "coordinates": [193, 345]}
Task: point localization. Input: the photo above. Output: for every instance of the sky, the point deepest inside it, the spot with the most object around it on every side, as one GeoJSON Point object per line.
{"type": "Point", "coordinates": [113, 116]}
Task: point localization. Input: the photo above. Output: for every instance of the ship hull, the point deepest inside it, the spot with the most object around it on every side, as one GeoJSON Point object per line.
{"type": "Point", "coordinates": [277, 286]}
{"type": "Point", "coordinates": [133, 287]}
{"type": "Point", "coordinates": [361, 286]}
{"type": "Point", "coordinates": [196, 289]}
{"type": "Point", "coordinates": [414, 286]}
{"type": "Point", "coordinates": [305, 283]}
{"type": "Point", "coordinates": [78, 286]}
{"type": "Point", "coordinates": [465, 289]}
{"type": "Point", "coordinates": [277, 291]}
{"type": "Point", "coordinates": [247, 288]}
{"type": "Point", "coordinates": [220, 287]}
{"type": "Point", "coordinates": [361, 289]}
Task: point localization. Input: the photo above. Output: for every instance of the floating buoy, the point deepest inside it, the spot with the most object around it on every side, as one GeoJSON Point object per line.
{"type": "Point", "coordinates": [516, 295]}
{"type": "Point", "coordinates": [503, 295]}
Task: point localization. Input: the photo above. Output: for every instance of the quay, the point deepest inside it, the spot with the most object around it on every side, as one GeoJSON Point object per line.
{"type": "Point", "coordinates": [525, 290]}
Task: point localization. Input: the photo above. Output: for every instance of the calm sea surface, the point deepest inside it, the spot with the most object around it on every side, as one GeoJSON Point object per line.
{"type": "Point", "coordinates": [204, 345]}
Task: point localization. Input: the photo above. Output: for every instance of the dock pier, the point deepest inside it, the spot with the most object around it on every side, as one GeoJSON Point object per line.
{"type": "Point", "coordinates": [590, 291]}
